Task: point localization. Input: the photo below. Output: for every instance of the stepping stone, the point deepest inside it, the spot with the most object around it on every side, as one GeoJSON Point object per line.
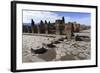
{"type": "Point", "coordinates": [58, 57]}
{"type": "Point", "coordinates": [63, 54]}
{"type": "Point", "coordinates": [75, 52]}
{"type": "Point", "coordinates": [67, 57]}
{"type": "Point", "coordinates": [68, 52]}
{"type": "Point", "coordinates": [49, 55]}
{"type": "Point", "coordinates": [76, 58]}
{"type": "Point", "coordinates": [82, 56]}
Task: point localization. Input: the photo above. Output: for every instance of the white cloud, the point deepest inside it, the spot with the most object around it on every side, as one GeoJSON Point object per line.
{"type": "Point", "coordinates": [83, 20]}
{"type": "Point", "coordinates": [39, 15]}
{"type": "Point", "coordinates": [67, 19]}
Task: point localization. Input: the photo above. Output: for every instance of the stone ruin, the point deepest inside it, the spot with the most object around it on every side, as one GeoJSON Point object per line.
{"type": "Point", "coordinates": [58, 28]}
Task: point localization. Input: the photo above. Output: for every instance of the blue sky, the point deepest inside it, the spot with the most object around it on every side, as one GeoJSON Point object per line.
{"type": "Point", "coordinates": [82, 18]}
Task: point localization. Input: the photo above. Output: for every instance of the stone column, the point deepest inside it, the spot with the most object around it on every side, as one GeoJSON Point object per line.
{"type": "Point", "coordinates": [74, 25]}
{"type": "Point", "coordinates": [78, 27]}
{"type": "Point", "coordinates": [68, 31]}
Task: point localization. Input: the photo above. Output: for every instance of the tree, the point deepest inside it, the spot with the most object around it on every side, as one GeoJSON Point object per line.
{"type": "Point", "coordinates": [46, 27]}
{"type": "Point", "coordinates": [63, 19]}
{"type": "Point", "coordinates": [45, 22]}
{"type": "Point", "coordinates": [32, 22]}
{"type": "Point", "coordinates": [41, 22]}
{"type": "Point", "coordinates": [32, 25]}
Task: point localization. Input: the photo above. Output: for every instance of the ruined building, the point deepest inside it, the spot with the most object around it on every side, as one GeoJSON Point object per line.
{"type": "Point", "coordinates": [59, 24]}
{"type": "Point", "coordinates": [58, 28]}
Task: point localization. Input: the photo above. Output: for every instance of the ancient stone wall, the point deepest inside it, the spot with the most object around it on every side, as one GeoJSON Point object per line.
{"type": "Point", "coordinates": [68, 30]}
{"type": "Point", "coordinates": [60, 28]}
{"type": "Point", "coordinates": [76, 27]}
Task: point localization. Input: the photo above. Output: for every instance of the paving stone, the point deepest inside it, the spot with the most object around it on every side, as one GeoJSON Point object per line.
{"type": "Point", "coordinates": [63, 54]}
{"type": "Point", "coordinates": [65, 50]}
{"type": "Point", "coordinates": [75, 52]}
{"type": "Point", "coordinates": [82, 56]}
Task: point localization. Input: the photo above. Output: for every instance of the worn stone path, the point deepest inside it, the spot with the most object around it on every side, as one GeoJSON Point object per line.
{"type": "Point", "coordinates": [65, 50]}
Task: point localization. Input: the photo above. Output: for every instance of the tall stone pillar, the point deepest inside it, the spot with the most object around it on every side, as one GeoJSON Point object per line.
{"type": "Point", "coordinates": [32, 25]}
{"type": "Point", "coordinates": [68, 30]}
{"type": "Point", "coordinates": [78, 27]}
{"type": "Point", "coordinates": [74, 25]}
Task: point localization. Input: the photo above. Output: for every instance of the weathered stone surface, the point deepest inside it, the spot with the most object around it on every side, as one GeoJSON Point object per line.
{"type": "Point", "coordinates": [49, 55]}
{"type": "Point", "coordinates": [82, 56]}
{"type": "Point", "coordinates": [65, 50]}
{"type": "Point", "coordinates": [67, 57]}
{"type": "Point", "coordinates": [75, 52]}
{"type": "Point", "coordinates": [63, 54]}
